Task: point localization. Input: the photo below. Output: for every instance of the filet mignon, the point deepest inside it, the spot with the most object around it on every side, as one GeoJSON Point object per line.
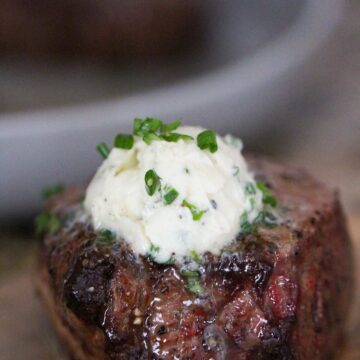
{"type": "Point", "coordinates": [277, 293]}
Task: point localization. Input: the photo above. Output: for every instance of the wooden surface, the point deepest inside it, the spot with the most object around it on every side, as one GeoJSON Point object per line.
{"type": "Point", "coordinates": [25, 332]}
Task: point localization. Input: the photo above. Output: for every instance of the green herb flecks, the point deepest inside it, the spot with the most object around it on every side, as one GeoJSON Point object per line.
{"type": "Point", "coordinates": [103, 149]}
{"type": "Point", "coordinates": [146, 126]}
{"type": "Point", "coordinates": [151, 129]}
{"type": "Point", "coordinates": [193, 282]}
{"type": "Point", "coordinates": [170, 195]}
{"type": "Point", "coordinates": [49, 192]}
{"type": "Point", "coordinates": [195, 257]}
{"type": "Point", "coordinates": [246, 227]}
{"type": "Point", "coordinates": [195, 212]}
{"type": "Point", "coordinates": [137, 126]}
{"type": "Point", "coordinates": [166, 128]}
{"type": "Point", "coordinates": [105, 237]}
{"type": "Point", "coordinates": [153, 250]}
{"type": "Point", "coordinates": [150, 137]}
{"type": "Point", "coordinates": [171, 261]}
{"type": "Point", "coordinates": [250, 189]}
{"type": "Point", "coordinates": [47, 223]}
{"type": "Point", "coordinates": [268, 197]}
{"type": "Point", "coordinates": [266, 219]}
{"type": "Point", "coordinates": [263, 219]}
{"type": "Point", "coordinates": [152, 182]}
{"type": "Point", "coordinates": [124, 141]}
{"type": "Point", "coordinates": [207, 140]}
{"type": "Point", "coordinates": [175, 137]}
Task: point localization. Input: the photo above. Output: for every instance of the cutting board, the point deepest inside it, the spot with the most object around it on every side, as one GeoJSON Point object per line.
{"type": "Point", "coordinates": [25, 332]}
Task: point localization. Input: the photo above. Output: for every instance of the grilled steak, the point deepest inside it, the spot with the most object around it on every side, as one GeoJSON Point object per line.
{"type": "Point", "coordinates": [277, 293]}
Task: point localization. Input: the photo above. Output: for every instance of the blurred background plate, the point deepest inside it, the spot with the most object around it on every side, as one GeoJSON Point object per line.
{"type": "Point", "coordinates": [248, 65]}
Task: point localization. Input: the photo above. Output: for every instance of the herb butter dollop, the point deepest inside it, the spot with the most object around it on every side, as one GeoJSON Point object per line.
{"type": "Point", "coordinates": [191, 202]}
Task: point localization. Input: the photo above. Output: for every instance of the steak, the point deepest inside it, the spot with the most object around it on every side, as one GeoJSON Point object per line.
{"type": "Point", "coordinates": [279, 292]}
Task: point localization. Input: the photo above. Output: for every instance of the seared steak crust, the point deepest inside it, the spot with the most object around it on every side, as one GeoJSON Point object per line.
{"type": "Point", "coordinates": [278, 293]}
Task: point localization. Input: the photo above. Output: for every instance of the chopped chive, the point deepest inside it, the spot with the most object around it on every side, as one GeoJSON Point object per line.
{"type": "Point", "coordinates": [150, 137]}
{"type": "Point", "coordinates": [250, 188]}
{"type": "Point", "coordinates": [263, 219]}
{"type": "Point", "coordinates": [195, 256]}
{"type": "Point", "coordinates": [48, 192]}
{"type": "Point", "coordinates": [151, 129]}
{"type": "Point", "coordinates": [153, 249]}
{"type": "Point", "coordinates": [193, 282]}
{"type": "Point", "coordinates": [171, 261]}
{"type": "Point", "coordinates": [105, 237]}
{"type": "Point", "coordinates": [124, 141]}
{"type": "Point", "coordinates": [151, 124]}
{"type": "Point", "coordinates": [137, 126]}
{"type": "Point", "coordinates": [196, 213]}
{"type": "Point", "coordinates": [47, 223]}
{"type": "Point", "coordinates": [166, 128]}
{"type": "Point", "coordinates": [246, 227]}
{"type": "Point", "coordinates": [175, 137]}
{"type": "Point", "coordinates": [266, 219]}
{"type": "Point", "coordinates": [146, 126]}
{"type": "Point", "coordinates": [170, 195]}
{"type": "Point", "coordinates": [207, 140]}
{"type": "Point", "coordinates": [103, 149]}
{"type": "Point", "coordinates": [152, 182]}
{"type": "Point", "coordinates": [268, 197]}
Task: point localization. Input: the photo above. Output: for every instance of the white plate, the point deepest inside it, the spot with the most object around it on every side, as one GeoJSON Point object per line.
{"type": "Point", "coordinates": [232, 94]}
